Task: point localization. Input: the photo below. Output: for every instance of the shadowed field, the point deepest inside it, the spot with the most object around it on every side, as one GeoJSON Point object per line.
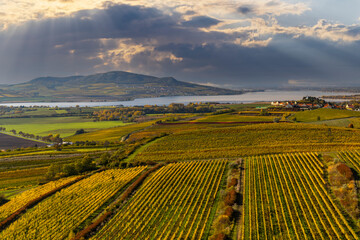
{"type": "Point", "coordinates": [11, 142]}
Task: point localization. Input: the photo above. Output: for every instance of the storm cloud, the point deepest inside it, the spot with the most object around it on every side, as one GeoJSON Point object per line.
{"type": "Point", "coordinates": [190, 46]}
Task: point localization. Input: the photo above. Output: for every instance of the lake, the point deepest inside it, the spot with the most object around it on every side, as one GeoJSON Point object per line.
{"type": "Point", "coordinates": [250, 97]}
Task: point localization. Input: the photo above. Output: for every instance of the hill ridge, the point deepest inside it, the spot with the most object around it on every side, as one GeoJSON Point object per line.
{"type": "Point", "coordinates": [108, 86]}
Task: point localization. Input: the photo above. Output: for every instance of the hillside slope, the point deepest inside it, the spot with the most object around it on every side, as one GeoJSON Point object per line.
{"type": "Point", "coordinates": [110, 86]}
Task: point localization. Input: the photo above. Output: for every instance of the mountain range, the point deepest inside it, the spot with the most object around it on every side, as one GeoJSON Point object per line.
{"type": "Point", "coordinates": [110, 86]}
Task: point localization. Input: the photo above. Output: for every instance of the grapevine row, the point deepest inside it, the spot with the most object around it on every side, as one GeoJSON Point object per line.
{"type": "Point", "coordinates": [57, 216]}
{"type": "Point", "coordinates": [285, 197]}
{"type": "Point", "coordinates": [174, 203]}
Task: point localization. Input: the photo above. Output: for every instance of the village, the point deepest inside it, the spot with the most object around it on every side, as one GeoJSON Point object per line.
{"type": "Point", "coordinates": [305, 104]}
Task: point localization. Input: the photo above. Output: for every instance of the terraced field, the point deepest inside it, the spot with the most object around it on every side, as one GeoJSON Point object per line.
{"type": "Point", "coordinates": [174, 203]}
{"type": "Point", "coordinates": [286, 198]}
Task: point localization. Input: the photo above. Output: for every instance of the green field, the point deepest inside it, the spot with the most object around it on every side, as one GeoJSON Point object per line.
{"type": "Point", "coordinates": [65, 126]}
{"type": "Point", "coordinates": [34, 112]}
{"type": "Point", "coordinates": [111, 134]}
{"type": "Point", "coordinates": [233, 117]}
{"type": "Point", "coordinates": [324, 114]}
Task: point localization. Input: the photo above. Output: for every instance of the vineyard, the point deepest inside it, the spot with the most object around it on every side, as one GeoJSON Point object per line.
{"type": "Point", "coordinates": [232, 142]}
{"type": "Point", "coordinates": [351, 157]}
{"type": "Point", "coordinates": [59, 215]}
{"type": "Point", "coordinates": [21, 199]}
{"type": "Point", "coordinates": [174, 203]}
{"type": "Point", "coordinates": [285, 198]}
{"type": "Point", "coordinates": [18, 179]}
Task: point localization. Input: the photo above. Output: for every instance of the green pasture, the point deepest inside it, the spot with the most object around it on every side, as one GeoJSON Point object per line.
{"type": "Point", "coordinates": [233, 117]}
{"type": "Point", "coordinates": [65, 126]}
{"type": "Point", "coordinates": [324, 114]}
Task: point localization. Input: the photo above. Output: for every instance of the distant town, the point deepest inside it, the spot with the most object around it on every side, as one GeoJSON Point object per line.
{"type": "Point", "coordinates": [308, 103]}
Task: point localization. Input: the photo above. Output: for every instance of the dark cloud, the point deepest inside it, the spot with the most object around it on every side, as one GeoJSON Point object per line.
{"type": "Point", "coordinates": [74, 45]}
{"type": "Point", "coordinates": [201, 22]}
{"type": "Point", "coordinates": [246, 9]}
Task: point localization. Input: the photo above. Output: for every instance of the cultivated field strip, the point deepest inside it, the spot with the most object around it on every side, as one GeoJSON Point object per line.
{"type": "Point", "coordinates": [20, 200]}
{"type": "Point", "coordinates": [285, 198]}
{"type": "Point", "coordinates": [351, 157]}
{"type": "Point", "coordinates": [57, 216]}
{"type": "Point", "coordinates": [174, 203]}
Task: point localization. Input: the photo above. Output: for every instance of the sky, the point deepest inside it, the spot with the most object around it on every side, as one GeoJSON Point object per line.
{"type": "Point", "coordinates": [226, 43]}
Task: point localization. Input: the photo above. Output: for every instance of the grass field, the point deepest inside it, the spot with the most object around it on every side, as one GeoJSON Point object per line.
{"type": "Point", "coordinates": [65, 126]}
{"type": "Point", "coordinates": [35, 112]}
{"type": "Point", "coordinates": [324, 114]}
{"type": "Point", "coordinates": [233, 117]}
{"type": "Point", "coordinates": [242, 106]}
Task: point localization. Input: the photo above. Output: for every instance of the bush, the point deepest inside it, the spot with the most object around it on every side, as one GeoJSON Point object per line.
{"type": "Point", "coordinates": [230, 197]}
{"type": "Point", "coordinates": [80, 131]}
{"type": "Point", "coordinates": [222, 224]}
{"type": "Point", "coordinates": [229, 211]}
{"type": "Point", "coordinates": [219, 236]}
{"type": "Point", "coordinates": [3, 200]}
{"type": "Point", "coordinates": [233, 182]}
{"type": "Point", "coordinates": [104, 159]}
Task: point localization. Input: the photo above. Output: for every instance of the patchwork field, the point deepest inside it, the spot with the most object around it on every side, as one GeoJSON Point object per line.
{"type": "Point", "coordinates": [177, 179]}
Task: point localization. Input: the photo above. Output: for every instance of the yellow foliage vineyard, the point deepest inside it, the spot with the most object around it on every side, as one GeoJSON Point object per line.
{"type": "Point", "coordinates": [352, 157]}
{"type": "Point", "coordinates": [175, 203]}
{"type": "Point", "coordinates": [20, 200]}
{"type": "Point", "coordinates": [249, 140]}
{"type": "Point", "coordinates": [285, 198]}
{"type": "Point", "coordinates": [57, 216]}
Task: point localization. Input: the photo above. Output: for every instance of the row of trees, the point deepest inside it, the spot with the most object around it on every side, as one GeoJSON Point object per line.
{"type": "Point", "coordinates": [49, 138]}
{"type": "Point", "coordinates": [56, 171]}
{"type": "Point", "coordinates": [224, 222]}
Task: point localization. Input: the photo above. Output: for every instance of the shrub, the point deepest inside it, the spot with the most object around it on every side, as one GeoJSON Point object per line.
{"type": "Point", "coordinates": [233, 182]}
{"type": "Point", "coordinates": [3, 200]}
{"type": "Point", "coordinates": [230, 197]}
{"type": "Point", "coordinates": [229, 211]}
{"type": "Point", "coordinates": [219, 236]}
{"type": "Point", "coordinates": [222, 224]}
{"type": "Point", "coordinates": [80, 131]}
